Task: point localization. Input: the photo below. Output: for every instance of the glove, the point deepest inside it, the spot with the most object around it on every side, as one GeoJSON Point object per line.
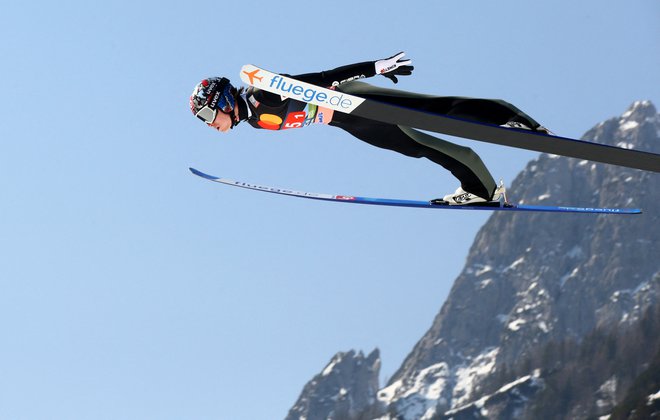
{"type": "Point", "coordinates": [395, 65]}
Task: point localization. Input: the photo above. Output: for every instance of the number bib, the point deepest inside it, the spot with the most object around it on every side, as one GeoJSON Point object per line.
{"type": "Point", "coordinates": [286, 114]}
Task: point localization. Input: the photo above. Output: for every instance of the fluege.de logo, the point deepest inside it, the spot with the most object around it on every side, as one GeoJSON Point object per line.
{"type": "Point", "coordinates": [298, 90]}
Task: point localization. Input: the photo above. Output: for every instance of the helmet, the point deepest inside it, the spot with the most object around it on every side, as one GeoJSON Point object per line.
{"type": "Point", "coordinates": [211, 95]}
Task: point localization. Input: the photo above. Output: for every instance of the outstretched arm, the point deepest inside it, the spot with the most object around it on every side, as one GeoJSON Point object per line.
{"type": "Point", "coordinates": [388, 67]}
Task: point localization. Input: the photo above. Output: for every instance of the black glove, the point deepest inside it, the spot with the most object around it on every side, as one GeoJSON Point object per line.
{"type": "Point", "coordinates": [394, 66]}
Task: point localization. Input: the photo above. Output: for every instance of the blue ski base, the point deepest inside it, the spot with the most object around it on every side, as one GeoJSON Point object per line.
{"type": "Point", "coordinates": [414, 203]}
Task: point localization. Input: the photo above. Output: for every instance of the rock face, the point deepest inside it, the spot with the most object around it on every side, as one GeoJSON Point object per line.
{"type": "Point", "coordinates": [345, 390]}
{"type": "Point", "coordinates": [532, 280]}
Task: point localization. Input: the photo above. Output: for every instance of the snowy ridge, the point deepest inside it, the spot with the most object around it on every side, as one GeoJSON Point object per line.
{"type": "Point", "coordinates": [430, 394]}
{"type": "Point", "coordinates": [467, 377]}
{"type": "Point", "coordinates": [531, 382]}
{"type": "Point", "coordinates": [419, 401]}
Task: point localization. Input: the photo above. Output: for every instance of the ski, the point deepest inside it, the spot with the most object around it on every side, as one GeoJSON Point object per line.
{"type": "Point", "coordinates": [411, 203]}
{"type": "Point", "coordinates": [379, 111]}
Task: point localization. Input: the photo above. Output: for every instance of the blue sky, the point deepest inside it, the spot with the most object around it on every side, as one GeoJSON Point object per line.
{"type": "Point", "coordinates": [131, 289]}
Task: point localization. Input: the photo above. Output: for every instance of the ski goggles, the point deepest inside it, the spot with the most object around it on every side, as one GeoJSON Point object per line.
{"type": "Point", "coordinates": [207, 114]}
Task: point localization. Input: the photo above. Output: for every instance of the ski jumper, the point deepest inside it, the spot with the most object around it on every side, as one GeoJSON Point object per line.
{"type": "Point", "coordinates": [271, 111]}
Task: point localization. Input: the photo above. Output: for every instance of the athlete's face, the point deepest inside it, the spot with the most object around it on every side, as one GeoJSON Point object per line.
{"type": "Point", "coordinates": [222, 122]}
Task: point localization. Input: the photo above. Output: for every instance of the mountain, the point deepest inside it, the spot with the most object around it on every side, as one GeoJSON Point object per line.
{"type": "Point", "coordinates": [553, 316]}
{"type": "Point", "coordinates": [345, 390]}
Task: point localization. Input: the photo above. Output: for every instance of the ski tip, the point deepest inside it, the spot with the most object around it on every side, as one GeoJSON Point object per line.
{"type": "Point", "coordinates": [202, 174]}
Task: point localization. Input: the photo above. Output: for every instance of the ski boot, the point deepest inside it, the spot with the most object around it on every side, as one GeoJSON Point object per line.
{"type": "Point", "coordinates": [539, 129]}
{"type": "Point", "coordinates": [463, 198]}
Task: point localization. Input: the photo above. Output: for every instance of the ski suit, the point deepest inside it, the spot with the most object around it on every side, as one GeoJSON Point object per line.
{"type": "Point", "coordinates": [269, 111]}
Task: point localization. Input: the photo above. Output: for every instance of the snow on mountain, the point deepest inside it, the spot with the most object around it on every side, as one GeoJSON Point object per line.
{"type": "Point", "coordinates": [506, 402]}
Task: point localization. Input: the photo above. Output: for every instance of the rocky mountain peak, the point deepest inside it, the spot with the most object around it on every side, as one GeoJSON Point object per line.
{"type": "Point", "coordinates": [640, 111]}
{"type": "Point", "coordinates": [534, 279]}
{"type": "Point", "coordinates": [345, 389]}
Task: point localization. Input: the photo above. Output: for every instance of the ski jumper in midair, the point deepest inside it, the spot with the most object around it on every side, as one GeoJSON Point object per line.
{"type": "Point", "coordinates": [265, 110]}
